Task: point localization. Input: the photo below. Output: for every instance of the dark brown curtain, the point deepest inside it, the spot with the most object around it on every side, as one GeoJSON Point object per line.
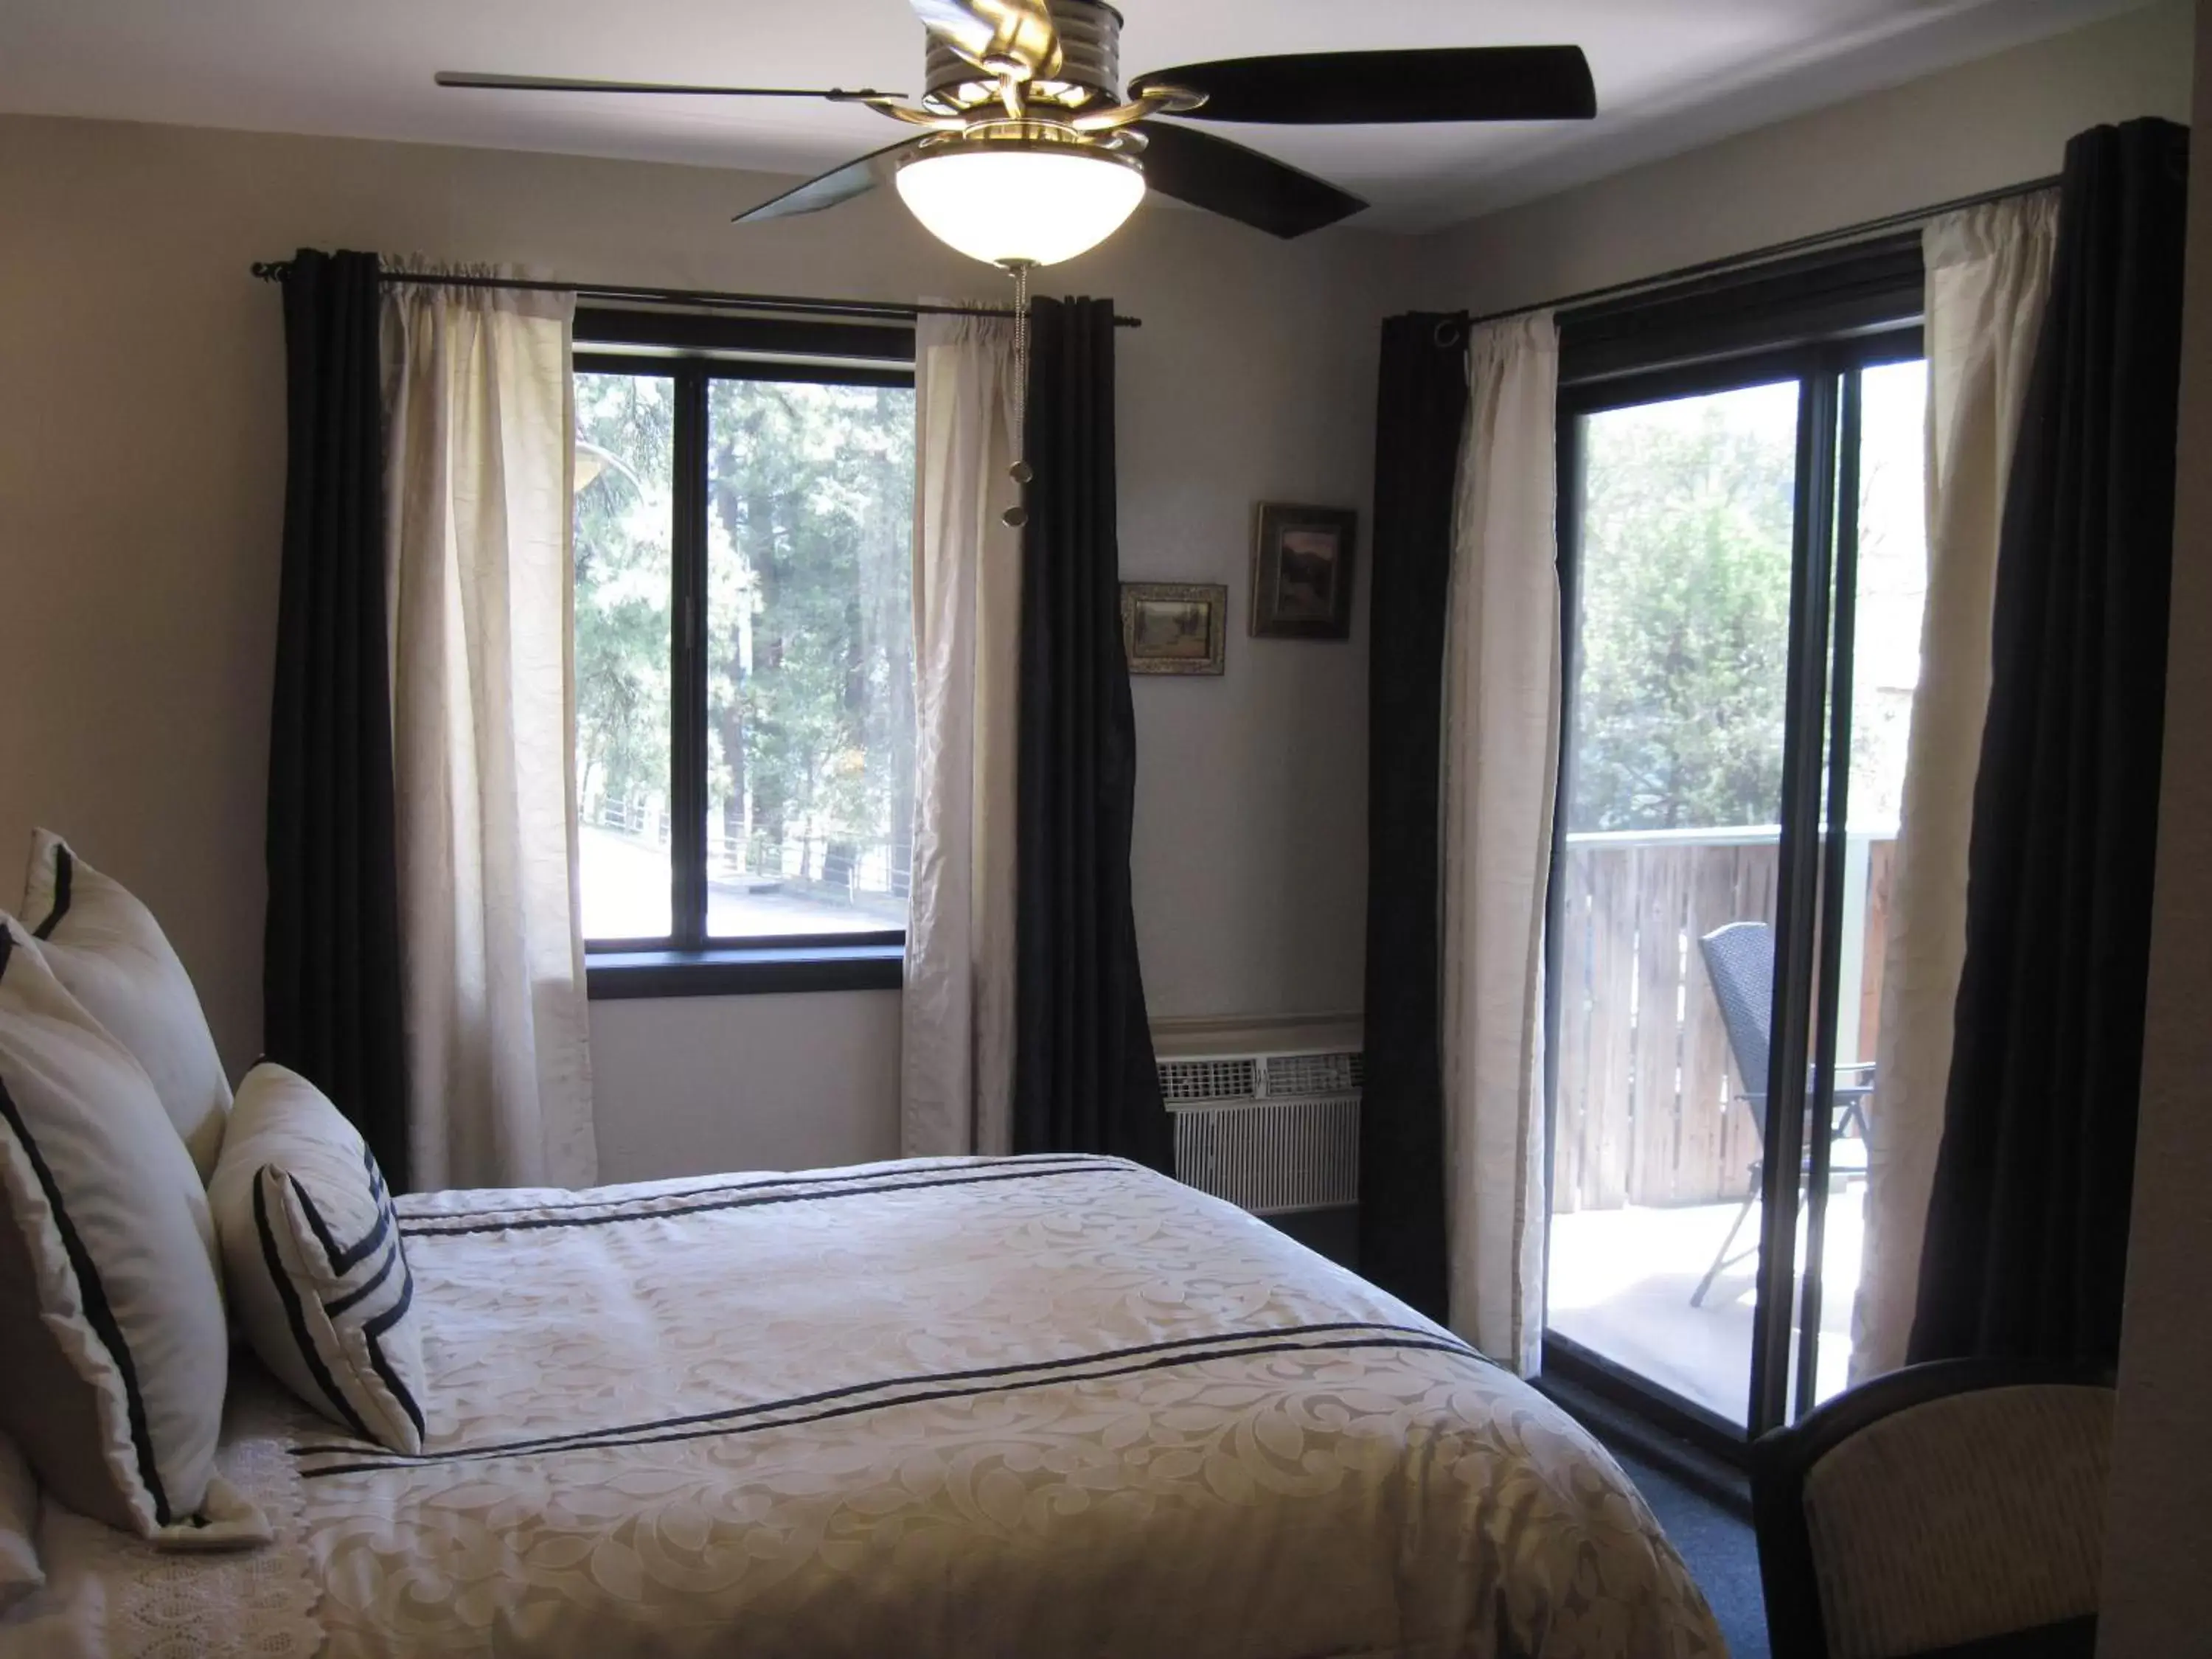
{"type": "Point", "coordinates": [1420, 406]}
{"type": "Point", "coordinates": [2027, 1224]}
{"type": "Point", "coordinates": [331, 969]}
{"type": "Point", "coordinates": [1085, 1078]}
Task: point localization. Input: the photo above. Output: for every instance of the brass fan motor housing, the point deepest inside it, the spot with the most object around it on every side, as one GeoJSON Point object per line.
{"type": "Point", "coordinates": [1090, 67]}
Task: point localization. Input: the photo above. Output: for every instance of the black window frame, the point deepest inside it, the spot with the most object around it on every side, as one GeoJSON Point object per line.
{"type": "Point", "coordinates": [1819, 319]}
{"type": "Point", "coordinates": [693, 351]}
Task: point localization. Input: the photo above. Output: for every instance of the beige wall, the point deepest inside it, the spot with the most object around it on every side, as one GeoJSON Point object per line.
{"type": "Point", "coordinates": [2159, 1539]}
{"type": "Point", "coordinates": [1985, 125]}
{"type": "Point", "coordinates": [745, 1083]}
{"type": "Point", "coordinates": [141, 493]}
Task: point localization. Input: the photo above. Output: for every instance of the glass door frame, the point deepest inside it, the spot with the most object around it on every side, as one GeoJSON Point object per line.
{"type": "Point", "coordinates": [1813, 840]}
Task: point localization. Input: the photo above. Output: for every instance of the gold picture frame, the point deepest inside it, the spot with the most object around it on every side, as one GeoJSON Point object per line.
{"type": "Point", "coordinates": [1303, 559]}
{"type": "Point", "coordinates": [1174, 628]}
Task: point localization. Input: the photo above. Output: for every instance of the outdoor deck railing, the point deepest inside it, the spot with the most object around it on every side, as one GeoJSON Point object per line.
{"type": "Point", "coordinates": [822, 861]}
{"type": "Point", "coordinates": [1648, 1109]}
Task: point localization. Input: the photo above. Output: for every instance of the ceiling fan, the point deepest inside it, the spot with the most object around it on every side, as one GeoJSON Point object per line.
{"type": "Point", "coordinates": [1029, 153]}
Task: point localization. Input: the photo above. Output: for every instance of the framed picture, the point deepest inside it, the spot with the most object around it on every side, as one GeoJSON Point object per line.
{"type": "Point", "coordinates": [1302, 572]}
{"type": "Point", "coordinates": [1174, 628]}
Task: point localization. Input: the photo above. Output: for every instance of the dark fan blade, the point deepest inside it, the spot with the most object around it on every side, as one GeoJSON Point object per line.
{"type": "Point", "coordinates": [557, 83]}
{"type": "Point", "coordinates": [839, 184]}
{"type": "Point", "coordinates": [1239, 184]}
{"type": "Point", "coordinates": [1361, 89]}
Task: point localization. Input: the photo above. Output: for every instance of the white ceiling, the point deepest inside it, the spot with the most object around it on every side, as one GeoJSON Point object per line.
{"type": "Point", "coordinates": [1671, 74]}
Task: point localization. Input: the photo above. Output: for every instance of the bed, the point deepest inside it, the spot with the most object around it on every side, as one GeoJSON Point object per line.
{"type": "Point", "coordinates": [1042, 1405]}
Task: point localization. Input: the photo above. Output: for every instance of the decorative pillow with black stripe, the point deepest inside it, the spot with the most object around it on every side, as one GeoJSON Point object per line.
{"type": "Point", "coordinates": [312, 1253]}
{"type": "Point", "coordinates": [111, 955]}
{"type": "Point", "coordinates": [113, 1350]}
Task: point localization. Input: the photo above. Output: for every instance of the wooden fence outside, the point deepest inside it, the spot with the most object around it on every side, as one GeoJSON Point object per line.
{"type": "Point", "coordinates": [1648, 1109]}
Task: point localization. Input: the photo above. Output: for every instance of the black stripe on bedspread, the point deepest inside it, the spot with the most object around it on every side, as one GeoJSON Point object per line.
{"type": "Point", "coordinates": [920, 1389]}
{"type": "Point", "coordinates": [421, 1221]}
{"type": "Point", "coordinates": [533, 1220]}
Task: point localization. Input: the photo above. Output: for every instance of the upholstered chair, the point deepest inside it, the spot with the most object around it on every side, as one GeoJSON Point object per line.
{"type": "Point", "coordinates": [1953, 1509]}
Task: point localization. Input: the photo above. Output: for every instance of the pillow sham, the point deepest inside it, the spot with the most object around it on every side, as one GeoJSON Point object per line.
{"type": "Point", "coordinates": [20, 1573]}
{"type": "Point", "coordinates": [111, 1316]}
{"type": "Point", "coordinates": [312, 1253]}
{"type": "Point", "coordinates": [111, 955]}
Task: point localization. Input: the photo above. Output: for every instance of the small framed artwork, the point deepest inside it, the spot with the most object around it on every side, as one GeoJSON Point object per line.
{"type": "Point", "coordinates": [1302, 572]}
{"type": "Point", "coordinates": [1174, 628]}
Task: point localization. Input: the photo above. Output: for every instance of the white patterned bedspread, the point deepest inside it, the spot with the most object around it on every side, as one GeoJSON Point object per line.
{"type": "Point", "coordinates": [1037, 1407]}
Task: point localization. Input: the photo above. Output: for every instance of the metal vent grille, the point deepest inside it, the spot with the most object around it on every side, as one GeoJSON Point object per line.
{"type": "Point", "coordinates": [1312, 1074]}
{"type": "Point", "coordinates": [1272, 1158]}
{"type": "Point", "coordinates": [1209, 1079]}
{"type": "Point", "coordinates": [1272, 1133]}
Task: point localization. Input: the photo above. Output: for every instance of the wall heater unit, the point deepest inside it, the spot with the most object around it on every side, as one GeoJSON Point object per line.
{"type": "Point", "coordinates": [1275, 1133]}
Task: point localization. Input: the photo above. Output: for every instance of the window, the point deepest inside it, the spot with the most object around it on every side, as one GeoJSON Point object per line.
{"type": "Point", "coordinates": [745, 703]}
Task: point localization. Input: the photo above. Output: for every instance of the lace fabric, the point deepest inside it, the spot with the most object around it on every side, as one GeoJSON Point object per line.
{"type": "Point", "coordinates": [121, 1597]}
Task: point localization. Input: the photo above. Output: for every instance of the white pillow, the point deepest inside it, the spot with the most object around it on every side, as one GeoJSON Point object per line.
{"type": "Point", "coordinates": [20, 1573]}
{"type": "Point", "coordinates": [312, 1256]}
{"type": "Point", "coordinates": [111, 1317]}
{"type": "Point", "coordinates": [112, 956]}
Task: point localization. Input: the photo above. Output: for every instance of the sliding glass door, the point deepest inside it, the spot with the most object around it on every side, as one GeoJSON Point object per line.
{"type": "Point", "coordinates": [1742, 557]}
{"type": "Point", "coordinates": [1672, 792]}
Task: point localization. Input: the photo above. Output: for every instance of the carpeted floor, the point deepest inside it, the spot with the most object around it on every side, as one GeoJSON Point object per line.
{"type": "Point", "coordinates": [1719, 1547]}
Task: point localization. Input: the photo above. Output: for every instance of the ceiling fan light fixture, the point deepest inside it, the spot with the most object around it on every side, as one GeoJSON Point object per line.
{"type": "Point", "coordinates": [1020, 201]}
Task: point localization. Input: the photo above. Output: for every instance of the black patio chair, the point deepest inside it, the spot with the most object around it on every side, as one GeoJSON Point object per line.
{"type": "Point", "coordinates": [1740, 962]}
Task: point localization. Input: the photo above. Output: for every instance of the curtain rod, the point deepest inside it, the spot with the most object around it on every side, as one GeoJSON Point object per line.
{"type": "Point", "coordinates": [797, 304]}
{"type": "Point", "coordinates": [1755, 257]}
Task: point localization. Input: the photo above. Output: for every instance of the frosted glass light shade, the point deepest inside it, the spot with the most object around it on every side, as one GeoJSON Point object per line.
{"type": "Point", "coordinates": [1007, 203]}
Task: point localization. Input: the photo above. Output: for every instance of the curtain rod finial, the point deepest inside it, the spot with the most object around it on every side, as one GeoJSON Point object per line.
{"type": "Point", "coordinates": [271, 271]}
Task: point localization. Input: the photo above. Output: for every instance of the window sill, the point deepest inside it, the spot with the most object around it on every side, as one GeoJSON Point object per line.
{"type": "Point", "coordinates": [738, 971]}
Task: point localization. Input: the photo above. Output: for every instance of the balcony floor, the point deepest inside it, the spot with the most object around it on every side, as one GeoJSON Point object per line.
{"type": "Point", "coordinates": [625, 887]}
{"type": "Point", "coordinates": [1620, 1284]}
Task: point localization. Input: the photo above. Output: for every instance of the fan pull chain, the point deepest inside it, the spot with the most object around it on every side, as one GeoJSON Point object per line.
{"type": "Point", "coordinates": [1021, 473]}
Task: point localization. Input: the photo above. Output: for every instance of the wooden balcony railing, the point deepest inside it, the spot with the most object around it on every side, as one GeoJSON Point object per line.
{"type": "Point", "coordinates": [1648, 1108]}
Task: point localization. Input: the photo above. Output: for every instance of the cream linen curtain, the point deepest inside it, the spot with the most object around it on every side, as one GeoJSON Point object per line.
{"type": "Point", "coordinates": [1988, 274]}
{"type": "Point", "coordinates": [479, 424]}
{"type": "Point", "coordinates": [957, 1053]}
{"type": "Point", "coordinates": [1500, 767]}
